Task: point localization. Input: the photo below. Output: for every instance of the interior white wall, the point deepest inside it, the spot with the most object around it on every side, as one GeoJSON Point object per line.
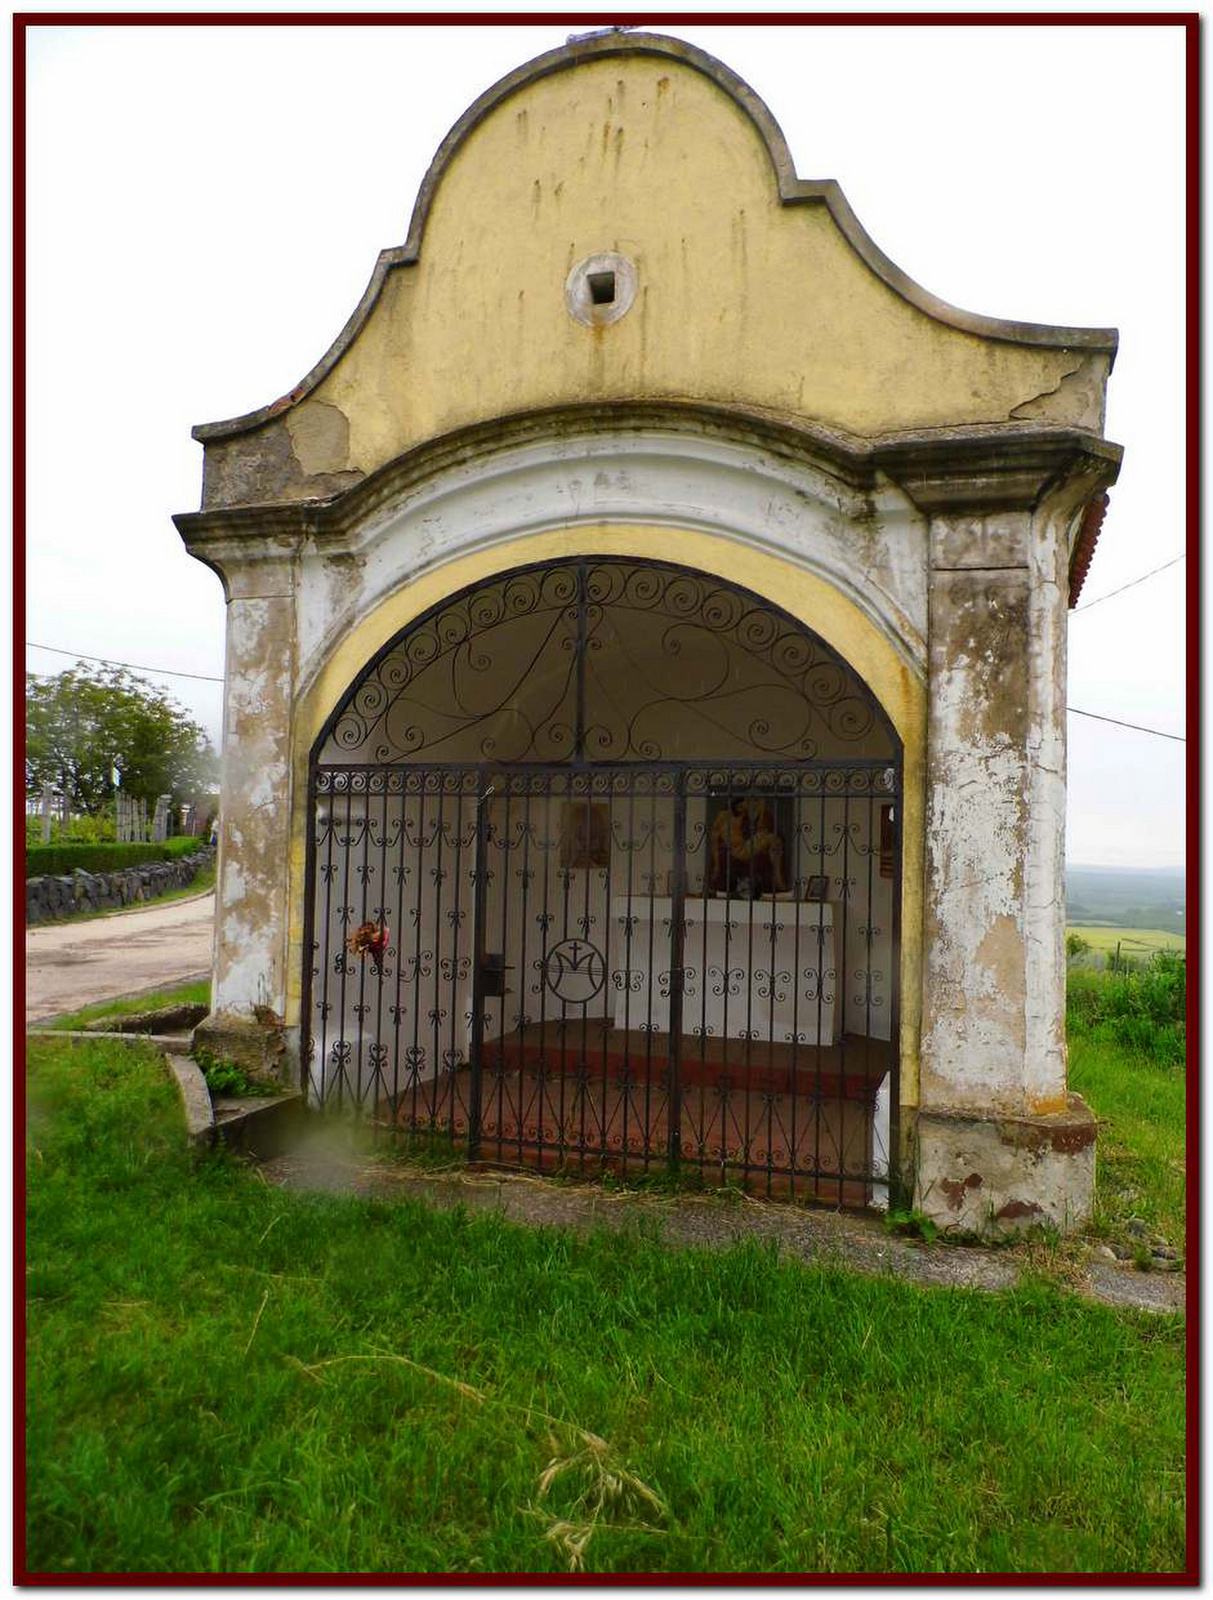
{"type": "Point", "coordinates": [411, 862]}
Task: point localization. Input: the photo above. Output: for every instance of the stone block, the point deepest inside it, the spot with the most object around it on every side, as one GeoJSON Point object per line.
{"type": "Point", "coordinates": [999, 539]}
{"type": "Point", "coordinates": [255, 1041]}
{"type": "Point", "coordinates": [998, 1175]}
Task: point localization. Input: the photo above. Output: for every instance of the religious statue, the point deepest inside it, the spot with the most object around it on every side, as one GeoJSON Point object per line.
{"type": "Point", "coordinates": [747, 853]}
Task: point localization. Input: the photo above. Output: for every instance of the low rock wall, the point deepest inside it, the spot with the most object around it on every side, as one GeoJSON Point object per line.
{"type": "Point", "coordinates": [52, 899]}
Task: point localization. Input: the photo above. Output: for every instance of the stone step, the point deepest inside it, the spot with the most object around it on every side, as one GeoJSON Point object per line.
{"type": "Point", "coordinates": [260, 1125]}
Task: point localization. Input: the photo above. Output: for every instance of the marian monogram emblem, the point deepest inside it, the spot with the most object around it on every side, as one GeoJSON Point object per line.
{"type": "Point", "coordinates": [574, 971]}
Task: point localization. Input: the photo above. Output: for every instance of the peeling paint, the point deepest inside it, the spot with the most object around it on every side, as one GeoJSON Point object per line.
{"type": "Point", "coordinates": [991, 1175]}
{"type": "Point", "coordinates": [320, 438]}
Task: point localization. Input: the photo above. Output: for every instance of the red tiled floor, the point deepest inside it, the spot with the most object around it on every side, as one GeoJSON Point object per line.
{"type": "Point", "coordinates": [545, 1105]}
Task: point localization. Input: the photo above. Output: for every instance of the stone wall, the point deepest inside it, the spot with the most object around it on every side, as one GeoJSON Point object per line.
{"type": "Point", "coordinates": [52, 899]}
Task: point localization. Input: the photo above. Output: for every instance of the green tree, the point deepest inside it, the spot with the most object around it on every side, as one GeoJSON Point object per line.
{"type": "Point", "coordinates": [84, 722]}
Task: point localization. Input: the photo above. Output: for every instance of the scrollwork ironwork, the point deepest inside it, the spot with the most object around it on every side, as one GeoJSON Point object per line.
{"type": "Point", "coordinates": [605, 661]}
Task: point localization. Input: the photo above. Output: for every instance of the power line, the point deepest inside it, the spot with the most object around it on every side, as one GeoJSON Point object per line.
{"type": "Point", "coordinates": [203, 678]}
{"type": "Point", "coordinates": [1113, 592]}
{"type": "Point", "coordinates": [1178, 737]}
{"type": "Point", "coordinates": [161, 672]}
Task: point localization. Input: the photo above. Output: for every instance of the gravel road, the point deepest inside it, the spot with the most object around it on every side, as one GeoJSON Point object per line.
{"type": "Point", "coordinates": [76, 964]}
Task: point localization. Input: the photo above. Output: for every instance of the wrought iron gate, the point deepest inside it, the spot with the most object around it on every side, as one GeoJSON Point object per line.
{"type": "Point", "coordinates": [584, 965]}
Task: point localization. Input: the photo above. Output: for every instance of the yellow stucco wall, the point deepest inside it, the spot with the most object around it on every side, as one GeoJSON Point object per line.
{"type": "Point", "coordinates": [804, 595]}
{"type": "Point", "coordinates": [741, 299]}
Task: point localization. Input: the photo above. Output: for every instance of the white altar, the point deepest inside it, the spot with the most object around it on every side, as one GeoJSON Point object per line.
{"type": "Point", "coordinates": [757, 969]}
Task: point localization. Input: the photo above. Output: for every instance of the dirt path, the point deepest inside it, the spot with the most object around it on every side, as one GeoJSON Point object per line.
{"type": "Point", "coordinates": [76, 964]}
{"type": "Point", "coordinates": [328, 1162]}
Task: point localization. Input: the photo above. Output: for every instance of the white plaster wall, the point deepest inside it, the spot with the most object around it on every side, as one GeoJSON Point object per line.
{"type": "Point", "coordinates": [390, 867]}
{"type": "Point", "coordinates": [1044, 867]}
{"type": "Point", "coordinates": [873, 550]}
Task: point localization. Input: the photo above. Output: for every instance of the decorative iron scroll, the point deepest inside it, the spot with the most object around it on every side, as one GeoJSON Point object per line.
{"type": "Point", "coordinates": [605, 661]}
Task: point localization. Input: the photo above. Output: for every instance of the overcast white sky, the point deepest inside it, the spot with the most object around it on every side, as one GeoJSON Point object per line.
{"type": "Point", "coordinates": [206, 206]}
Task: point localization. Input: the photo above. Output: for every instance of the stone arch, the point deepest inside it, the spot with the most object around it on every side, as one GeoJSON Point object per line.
{"type": "Point", "coordinates": [678, 467]}
{"type": "Point", "coordinates": [804, 596]}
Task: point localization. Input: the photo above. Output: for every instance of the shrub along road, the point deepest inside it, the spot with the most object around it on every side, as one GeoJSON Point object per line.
{"type": "Point", "coordinates": [75, 964]}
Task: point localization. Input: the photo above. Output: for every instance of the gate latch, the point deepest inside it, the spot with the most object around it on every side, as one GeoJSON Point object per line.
{"type": "Point", "coordinates": [493, 969]}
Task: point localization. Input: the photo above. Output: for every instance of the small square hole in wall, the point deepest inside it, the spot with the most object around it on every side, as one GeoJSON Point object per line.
{"type": "Point", "coordinates": [600, 289]}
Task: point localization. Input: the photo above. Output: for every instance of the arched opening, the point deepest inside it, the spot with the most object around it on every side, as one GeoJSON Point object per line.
{"type": "Point", "coordinates": [604, 869]}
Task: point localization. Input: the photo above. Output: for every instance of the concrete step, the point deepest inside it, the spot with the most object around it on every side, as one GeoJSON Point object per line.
{"type": "Point", "coordinates": [260, 1125]}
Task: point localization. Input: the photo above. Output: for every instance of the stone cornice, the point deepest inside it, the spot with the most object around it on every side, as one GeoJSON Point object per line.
{"type": "Point", "coordinates": [972, 469]}
{"type": "Point", "coordinates": [791, 189]}
{"type": "Point", "coordinates": [997, 468]}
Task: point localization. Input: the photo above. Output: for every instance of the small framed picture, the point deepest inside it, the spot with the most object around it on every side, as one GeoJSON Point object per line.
{"type": "Point", "coordinates": [818, 888]}
{"type": "Point", "coordinates": [585, 835]}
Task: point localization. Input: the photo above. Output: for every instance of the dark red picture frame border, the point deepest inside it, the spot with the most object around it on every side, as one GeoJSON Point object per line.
{"type": "Point", "coordinates": [1190, 23]}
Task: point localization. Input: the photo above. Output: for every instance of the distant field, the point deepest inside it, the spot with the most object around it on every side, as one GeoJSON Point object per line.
{"type": "Point", "coordinates": [1132, 941]}
{"type": "Point", "coordinates": [1141, 901]}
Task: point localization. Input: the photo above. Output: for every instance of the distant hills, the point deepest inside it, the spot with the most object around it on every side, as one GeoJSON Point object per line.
{"type": "Point", "coordinates": [1127, 897]}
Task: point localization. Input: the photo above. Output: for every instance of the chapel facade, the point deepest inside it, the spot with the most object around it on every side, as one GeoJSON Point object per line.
{"type": "Point", "coordinates": [644, 736]}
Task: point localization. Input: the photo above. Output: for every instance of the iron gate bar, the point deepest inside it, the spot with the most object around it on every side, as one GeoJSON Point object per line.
{"type": "Point", "coordinates": [893, 1150]}
{"type": "Point", "coordinates": [584, 769]}
{"type": "Point", "coordinates": [480, 878]}
{"type": "Point", "coordinates": [418, 961]}
{"type": "Point", "coordinates": [351, 853]}
{"type": "Point", "coordinates": [846, 901]}
{"type": "Point", "coordinates": [821, 978]}
{"type": "Point", "coordinates": [677, 979]}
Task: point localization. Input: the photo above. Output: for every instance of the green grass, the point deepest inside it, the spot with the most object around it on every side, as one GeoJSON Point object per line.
{"type": "Point", "coordinates": [1135, 942]}
{"type": "Point", "coordinates": [229, 1377]}
{"type": "Point", "coordinates": [190, 994]}
{"type": "Point", "coordinates": [1140, 1165]}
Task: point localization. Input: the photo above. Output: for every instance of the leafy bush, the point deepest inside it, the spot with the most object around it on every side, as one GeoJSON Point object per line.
{"type": "Point", "coordinates": [80, 830]}
{"type": "Point", "coordinates": [52, 860]}
{"type": "Point", "coordinates": [184, 845]}
{"type": "Point", "coordinates": [228, 1077]}
{"type": "Point", "coordinates": [1142, 1009]}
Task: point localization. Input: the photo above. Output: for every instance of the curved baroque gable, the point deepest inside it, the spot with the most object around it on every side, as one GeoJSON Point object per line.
{"type": "Point", "coordinates": [751, 288]}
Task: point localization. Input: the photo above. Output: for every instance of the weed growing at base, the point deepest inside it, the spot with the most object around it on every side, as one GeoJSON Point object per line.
{"type": "Point", "coordinates": [216, 1385]}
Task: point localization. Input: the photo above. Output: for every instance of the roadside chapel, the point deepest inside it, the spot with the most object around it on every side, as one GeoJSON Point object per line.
{"type": "Point", "coordinates": [644, 736]}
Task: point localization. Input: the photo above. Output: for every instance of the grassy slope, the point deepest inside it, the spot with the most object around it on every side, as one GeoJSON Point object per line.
{"type": "Point", "coordinates": [790, 1418]}
{"type": "Point", "coordinates": [1140, 1169]}
{"type": "Point", "coordinates": [190, 994]}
